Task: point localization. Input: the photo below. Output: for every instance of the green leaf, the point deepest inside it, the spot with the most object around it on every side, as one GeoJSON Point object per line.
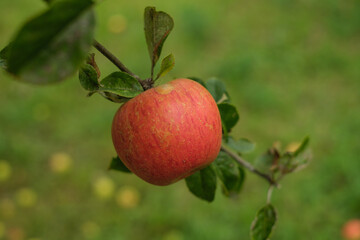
{"type": "Point", "coordinates": [263, 223]}
{"type": "Point", "coordinates": [167, 64]}
{"type": "Point", "coordinates": [242, 145]}
{"type": "Point", "coordinates": [288, 163]}
{"type": "Point", "coordinates": [230, 174]}
{"type": "Point", "coordinates": [300, 161]}
{"type": "Point", "coordinates": [121, 84]}
{"type": "Point", "coordinates": [203, 183]}
{"type": "Point", "coordinates": [302, 147]}
{"type": "Point", "coordinates": [217, 89]}
{"type": "Point", "coordinates": [51, 46]}
{"type": "Point", "coordinates": [4, 54]}
{"type": "Point", "coordinates": [158, 26]}
{"type": "Point", "coordinates": [268, 161]}
{"type": "Point", "coordinates": [118, 165]}
{"type": "Point", "coordinates": [88, 78]}
{"type": "Point", "coordinates": [112, 97]}
{"type": "Point", "coordinates": [229, 115]}
{"type": "Point", "coordinates": [198, 80]}
{"type": "Point", "coordinates": [297, 160]}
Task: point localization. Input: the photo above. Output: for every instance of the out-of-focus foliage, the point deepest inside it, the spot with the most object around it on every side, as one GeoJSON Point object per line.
{"type": "Point", "coordinates": [58, 38]}
{"type": "Point", "coordinates": [292, 68]}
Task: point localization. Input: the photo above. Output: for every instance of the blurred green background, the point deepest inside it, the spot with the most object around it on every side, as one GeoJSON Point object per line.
{"type": "Point", "coordinates": [292, 68]}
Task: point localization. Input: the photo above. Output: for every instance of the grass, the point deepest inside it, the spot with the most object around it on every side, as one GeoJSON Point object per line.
{"type": "Point", "coordinates": [292, 69]}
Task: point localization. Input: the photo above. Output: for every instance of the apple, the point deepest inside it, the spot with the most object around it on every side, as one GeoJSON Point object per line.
{"type": "Point", "coordinates": [168, 132]}
{"type": "Point", "coordinates": [351, 229]}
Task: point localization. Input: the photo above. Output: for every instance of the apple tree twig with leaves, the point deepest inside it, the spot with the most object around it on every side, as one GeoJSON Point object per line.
{"type": "Point", "coordinates": [39, 54]}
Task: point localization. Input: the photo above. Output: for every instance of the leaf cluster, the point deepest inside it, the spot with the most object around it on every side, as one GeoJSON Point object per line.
{"type": "Point", "coordinates": [55, 44]}
{"type": "Point", "coordinates": [120, 87]}
{"type": "Point", "coordinates": [277, 163]}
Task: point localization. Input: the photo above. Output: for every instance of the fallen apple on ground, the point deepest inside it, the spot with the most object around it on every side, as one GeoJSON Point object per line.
{"type": "Point", "coordinates": [168, 132]}
{"type": "Point", "coordinates": [351, 229]}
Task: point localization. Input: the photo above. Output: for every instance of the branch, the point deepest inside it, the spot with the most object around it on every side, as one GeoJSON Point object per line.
{"type": "Point", "coordinates": [247, 165]}
{"type": "Point", "coordinates": [113, 59]}
{"type": "Point", "coordinates": [269, 193]}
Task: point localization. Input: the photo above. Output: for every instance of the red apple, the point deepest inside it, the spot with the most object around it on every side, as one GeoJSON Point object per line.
{"type": "Point", "coordinates": [351, 229]}
{"type": "Point", "coordinates": [168, 132]}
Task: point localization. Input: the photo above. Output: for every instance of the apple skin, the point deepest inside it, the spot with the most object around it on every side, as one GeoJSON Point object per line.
{"type": "Point", "coordinates": [168, 132]}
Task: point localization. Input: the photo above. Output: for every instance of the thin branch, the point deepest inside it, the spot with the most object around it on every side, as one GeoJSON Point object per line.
{"type": "Point", "coordinates": [269, 194]}
{"type": "Point", "coordinates": [113, 59]}
{"type": "Point", "coordinates": [247, 165]}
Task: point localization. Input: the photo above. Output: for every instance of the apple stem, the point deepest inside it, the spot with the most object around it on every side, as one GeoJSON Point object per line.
{"type": "Point", "coordinates": [248, 166]}
{"type": "Point", "coordinates": [147, 83]}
